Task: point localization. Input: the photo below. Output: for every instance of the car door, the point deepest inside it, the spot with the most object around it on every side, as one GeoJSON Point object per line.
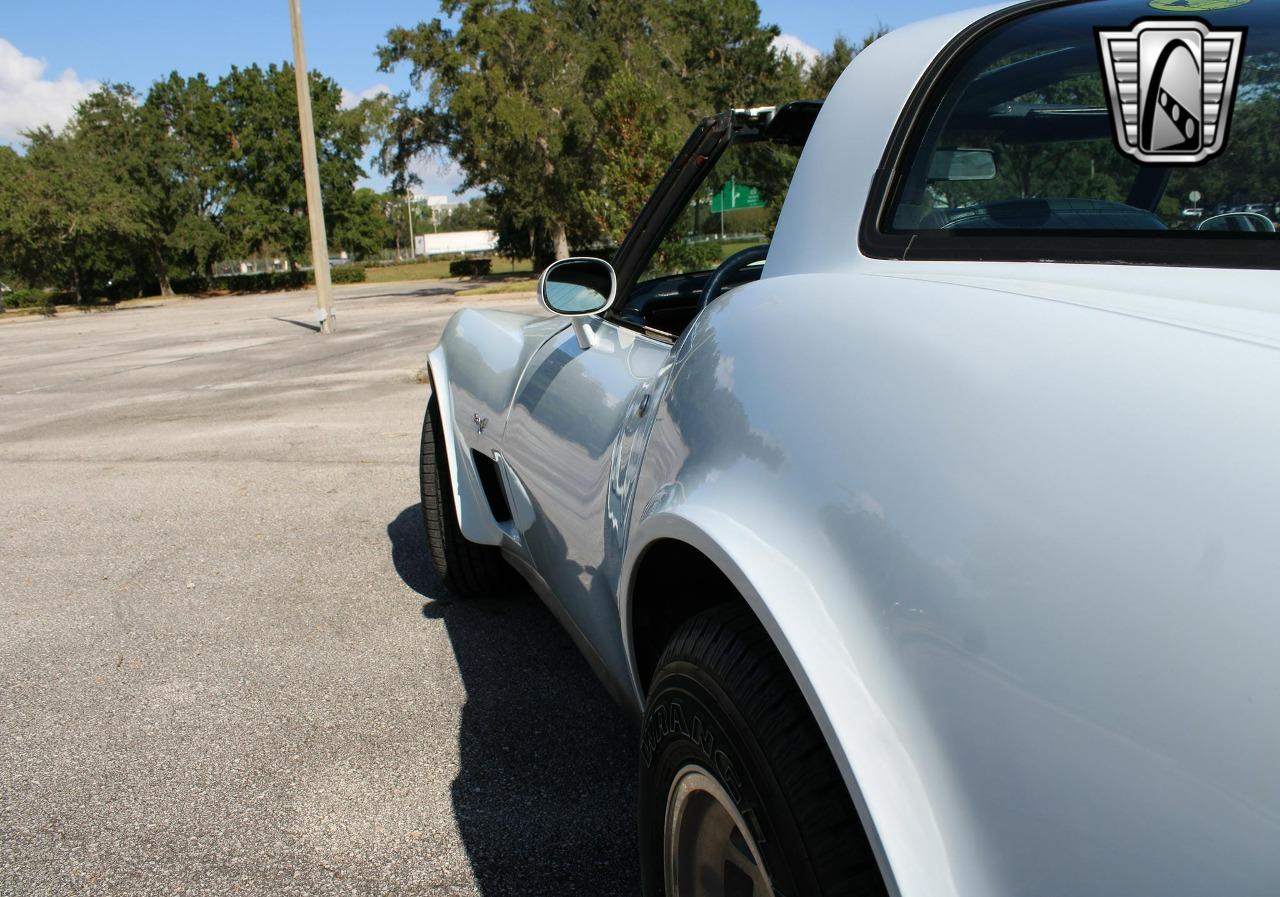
{"type": "Point", "coordinates": [575, 422]}
{"type": "Point", "coordinates": [579, 415]}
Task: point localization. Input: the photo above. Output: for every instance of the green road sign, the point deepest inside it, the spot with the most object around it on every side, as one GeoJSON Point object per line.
{"type": "Point", "coordinates": [736, 196]}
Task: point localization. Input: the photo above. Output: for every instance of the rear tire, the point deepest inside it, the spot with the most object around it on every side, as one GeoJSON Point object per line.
{"type": "Point", "coordinates": [468, 570]}
{"type": "Point", "coordinates": [735, 775]}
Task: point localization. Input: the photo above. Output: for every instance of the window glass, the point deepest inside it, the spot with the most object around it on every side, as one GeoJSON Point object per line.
{"type": "Point", "coordinates": [1021, 140]}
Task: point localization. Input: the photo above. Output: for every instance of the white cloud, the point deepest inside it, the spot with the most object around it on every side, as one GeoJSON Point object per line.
{"type": "Point", "coordinates": [351, 99]}
{"type": "Point", "coordinates": [724, 373]}
{"type": "Point", "coordinates": [439, 175]}
{"type": "Point", "coordinates": [796, 48]}
{"type": "Point", "coordinates": [29, 100]}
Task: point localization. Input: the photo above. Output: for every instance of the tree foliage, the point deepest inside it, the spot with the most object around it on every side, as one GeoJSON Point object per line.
{"type": "Point", "coordinates": [190, 127]}
{"type": "Point", "coordinates": [566, 112]}
{"type": "Point", "coordinates": [266, 205]}
{"type": "Point", "coordinates": [1251, 145]}
{"type": "Point", "coordinates": [828, 67]}
{"type": "Point", "coordinates": [135, 191]}
{"type": "Point", "coordinates": [365, 225]}
{"type": "Point", "coordinates": [74, 215]}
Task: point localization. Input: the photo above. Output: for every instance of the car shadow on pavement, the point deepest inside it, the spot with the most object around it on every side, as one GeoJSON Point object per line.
{"type": "Point", "coordinates": [545, 794]}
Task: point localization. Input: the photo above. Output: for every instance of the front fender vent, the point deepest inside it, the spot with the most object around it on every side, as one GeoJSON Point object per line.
{"type": "Point", "coordinates": [491, 482]}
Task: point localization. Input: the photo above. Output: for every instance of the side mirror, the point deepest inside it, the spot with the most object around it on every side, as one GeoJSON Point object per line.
{"type": "Point", "coordinates": [578, 286]}
{"type": "Point", "coordinates": [1249, 222]}
{"type": "Point", "coordinates": [962, 165]}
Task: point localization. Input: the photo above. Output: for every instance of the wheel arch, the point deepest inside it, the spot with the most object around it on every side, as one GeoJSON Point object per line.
{"type": "Point", "coordinates": [652, 610]}
{"type": "Point", "coordinates": [672, 582]}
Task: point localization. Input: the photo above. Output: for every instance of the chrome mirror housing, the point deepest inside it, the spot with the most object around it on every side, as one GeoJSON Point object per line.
{"type": "Point", "coordinates": [578, 286]}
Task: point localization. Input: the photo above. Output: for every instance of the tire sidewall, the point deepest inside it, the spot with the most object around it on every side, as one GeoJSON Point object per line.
{"type": "Point", "coordinates": [689, 719]}
{"type": "Point", "coordinates": [434, 492]}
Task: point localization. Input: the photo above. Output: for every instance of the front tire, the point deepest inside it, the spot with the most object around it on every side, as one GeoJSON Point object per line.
{"type": "Point", "coordinates": [738, 792]}
{"type": "Point", "coordinates": [467, 569]}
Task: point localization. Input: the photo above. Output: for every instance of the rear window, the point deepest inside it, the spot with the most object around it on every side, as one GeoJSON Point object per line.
{"type": "Point", "coordinates": [1019, 146]}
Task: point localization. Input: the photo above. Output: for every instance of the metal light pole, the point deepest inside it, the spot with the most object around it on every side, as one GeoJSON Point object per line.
{"type": "Point", "coordinates": [413, 244]}
{"type": "Point", "coordinates": [311, 175]}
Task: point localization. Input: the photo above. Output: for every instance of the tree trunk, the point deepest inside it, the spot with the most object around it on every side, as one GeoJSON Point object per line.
{"type": "Point", "coordinates": [560, 241]}
{"type": "Point", "coordinates": [161, 271]}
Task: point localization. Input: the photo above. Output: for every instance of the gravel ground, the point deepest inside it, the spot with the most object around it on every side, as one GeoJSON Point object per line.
{"type": "Point", "coordinates": [226, 666]}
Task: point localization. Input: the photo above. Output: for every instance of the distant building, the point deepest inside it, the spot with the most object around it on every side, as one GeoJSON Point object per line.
{"type": "Point", "coordinates": [456, 242]}
{"type": "Point", "coordinates": [433, 209]}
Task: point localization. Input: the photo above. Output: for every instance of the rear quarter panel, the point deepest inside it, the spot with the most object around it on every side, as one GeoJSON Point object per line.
{"type": "Point", "coordinates": [1022, 558]}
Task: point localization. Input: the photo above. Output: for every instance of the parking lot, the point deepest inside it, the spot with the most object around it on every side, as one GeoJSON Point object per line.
{"type": "Point", "coordinates": [226, 666]}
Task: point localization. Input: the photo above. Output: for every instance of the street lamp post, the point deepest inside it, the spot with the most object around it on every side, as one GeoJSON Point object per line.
{"type": "Point", "coordinates": [413, 243]}
{"type": "Point", "coordinates": [311, 176]}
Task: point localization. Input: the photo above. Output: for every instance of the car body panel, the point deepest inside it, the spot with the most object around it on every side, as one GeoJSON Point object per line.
{"type": "Point", "coordinates": [489, 349]}
{"type": "Point", "coordinates": [574, 466]}
{"type": "Point", "coordinates": [1024, 647]}
{"type": "Point", "coordinates": [1013, 526]}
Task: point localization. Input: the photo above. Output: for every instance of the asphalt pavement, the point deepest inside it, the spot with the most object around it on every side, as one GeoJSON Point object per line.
{"type": "Point", "coordinates": [226, 665]}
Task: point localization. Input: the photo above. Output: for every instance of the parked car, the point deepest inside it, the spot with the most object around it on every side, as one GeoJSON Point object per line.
{"type": "Point", "coordinates": [933, 541]}
{"type": "Point", "coordinates": [1238, 221]}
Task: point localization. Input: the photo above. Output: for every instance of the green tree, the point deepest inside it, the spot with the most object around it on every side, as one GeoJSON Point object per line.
{"type": "Point", "coordinates": [546, 102]}
{"type": "Point", "coordinates": [474, 214]}
{"type": "Point", "coordinates": [189, 170]}
{"type": "Point", "coordinates": [18, 244]}
{"type": "Point", "coordinates": [823, 73]}
{"type": "Point", "coordinates": [266, 204]}
{"type": "Point", "coordinates": [113, 132]}
{"type": "Point", "coordinates": [363, 228]}
{"type": "Point", "coordinates": [633, 113]}
{"type": "Point", "coordinates": [78, 217]}
{"type": "Point", "coordinates": [1249, 169]}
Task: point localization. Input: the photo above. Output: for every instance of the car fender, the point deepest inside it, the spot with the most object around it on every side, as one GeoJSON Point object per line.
{"type": "Point", "coordinates": [789, 606]}
{"type": "Point", "coordinates": [694, 487]}
{"type": "Point", "coordinates": [475, 370]}
{"type": "Point", "coordinates": [1010, 540]}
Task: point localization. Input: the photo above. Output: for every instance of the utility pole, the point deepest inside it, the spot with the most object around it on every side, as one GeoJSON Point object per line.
{"type": "Point", "coordinates": [413, 244]}
{"type": "Point", "coordinates": [311, 175]}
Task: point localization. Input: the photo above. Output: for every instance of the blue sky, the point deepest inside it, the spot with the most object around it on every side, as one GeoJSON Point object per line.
{"type": "Point", "coordinates": [52, 53]}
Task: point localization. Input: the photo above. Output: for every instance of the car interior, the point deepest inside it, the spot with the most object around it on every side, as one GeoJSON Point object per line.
{"type": "Point", "coordinates": [1021, 139]}
{"type": "Point", "coordinates": [663, 302]}
{"type": "Point", "coordinates": [1005, 113]}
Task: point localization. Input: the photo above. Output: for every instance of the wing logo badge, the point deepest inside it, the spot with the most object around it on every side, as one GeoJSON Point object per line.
{"type": "Point", "coordinates": [1170, 87]}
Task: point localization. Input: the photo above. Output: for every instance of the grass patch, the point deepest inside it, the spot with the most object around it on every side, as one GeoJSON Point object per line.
{"type": "Point", "coordinates": [437, 269]}
{"type": "Point", "coordinates": [728, 249]}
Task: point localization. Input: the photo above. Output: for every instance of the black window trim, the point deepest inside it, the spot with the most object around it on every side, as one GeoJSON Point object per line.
{"type": "Point", "coordinates": [1201, 250]}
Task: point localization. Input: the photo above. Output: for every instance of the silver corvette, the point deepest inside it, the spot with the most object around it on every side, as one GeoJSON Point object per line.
{"type": "Point", "coordinates": [913, 468]}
